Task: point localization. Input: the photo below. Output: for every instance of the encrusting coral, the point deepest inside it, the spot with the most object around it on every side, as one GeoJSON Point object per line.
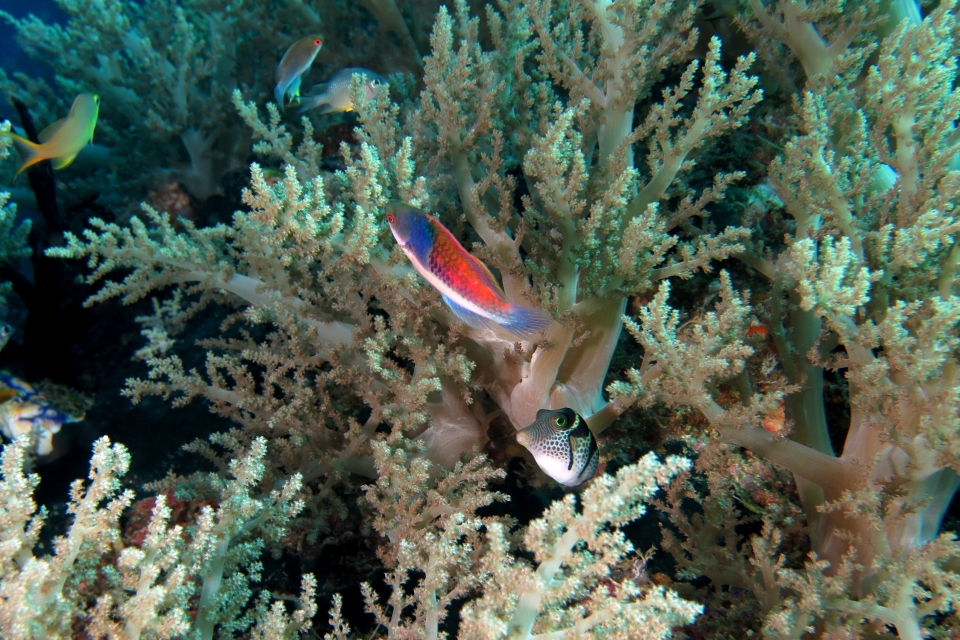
{"type": "Point", "coordinates": [560, 145]}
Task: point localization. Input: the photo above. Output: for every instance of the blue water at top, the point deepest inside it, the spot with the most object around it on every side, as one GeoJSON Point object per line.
{"type": "Point", "coordinates": [12, 56]}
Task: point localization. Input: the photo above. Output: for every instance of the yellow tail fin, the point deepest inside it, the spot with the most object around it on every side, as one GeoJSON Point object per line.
{"type": "Point", "coordinates": [30, 152]}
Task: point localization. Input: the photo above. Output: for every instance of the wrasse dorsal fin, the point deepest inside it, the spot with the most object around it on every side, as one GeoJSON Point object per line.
{"type": "Point", "coordinates": [481, 270]}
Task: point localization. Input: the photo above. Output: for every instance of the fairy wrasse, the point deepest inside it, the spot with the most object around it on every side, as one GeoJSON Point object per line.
{"type": "Point", "coordinates": [465, 283]}
{"type": "Point", "coordinates": [293, 65]}
{"type": "Point", "coordinates": [62, 140]}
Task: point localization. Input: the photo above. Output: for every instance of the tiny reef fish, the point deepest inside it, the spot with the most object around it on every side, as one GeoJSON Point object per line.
{"type": "Point", "coordinates": [6, 330]}
{"type": "Point", "coordinates": [333, 96]}
{"type": "Point", "coordinates": [62, 140]}
{"type": "Point", "coordinates": [563, 445]}
{"type": "Point", "coordinates": [293, 65]}
{"type": "Point", "coordinates": [466, 284]}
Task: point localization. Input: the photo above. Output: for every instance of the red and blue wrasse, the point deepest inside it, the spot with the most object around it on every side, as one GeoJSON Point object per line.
{"type": "Point", "coordinates": [466, 284]}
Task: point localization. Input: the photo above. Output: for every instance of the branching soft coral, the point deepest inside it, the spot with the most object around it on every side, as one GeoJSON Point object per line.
{"type": "Point", "coordinates": [866, 284]}
{"type": "Point", "coordinates": [566, 590]}
{"type": "Point", "coordinates": [311, 258]}
{"type": "Point", "coordinates": [129, 591]}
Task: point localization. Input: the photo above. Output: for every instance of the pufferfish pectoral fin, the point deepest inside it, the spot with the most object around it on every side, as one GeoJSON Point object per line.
{"type": "Point", "coordinates": [593, 463]}
{"type": "Point", "coordinates": [586, 454]}
{"type": "Point", "coordinates": [583, 450]}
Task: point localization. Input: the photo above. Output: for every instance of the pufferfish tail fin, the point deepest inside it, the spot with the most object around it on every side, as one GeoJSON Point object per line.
{"type": "Point", "coordinates": [30, 152]}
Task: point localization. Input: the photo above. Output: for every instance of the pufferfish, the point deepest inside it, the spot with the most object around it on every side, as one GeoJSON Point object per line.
{"type": "Point", "coordinates": [466, 284]}
{"type": "Point", "coordinates": [563, 445]}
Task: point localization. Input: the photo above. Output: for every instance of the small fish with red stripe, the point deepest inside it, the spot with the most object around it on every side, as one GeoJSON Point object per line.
{"type": "Point", "coordinates": [466, 284]}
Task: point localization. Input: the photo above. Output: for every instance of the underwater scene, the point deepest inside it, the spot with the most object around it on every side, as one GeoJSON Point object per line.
{"type": "Point", "coordinates": [479, 319]}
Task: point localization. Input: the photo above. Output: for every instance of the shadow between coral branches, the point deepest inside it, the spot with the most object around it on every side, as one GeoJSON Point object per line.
{"type": "Point", "coordinates": [88, 350]}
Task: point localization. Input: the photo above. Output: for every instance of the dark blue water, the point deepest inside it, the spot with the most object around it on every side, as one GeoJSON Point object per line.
{"type": "Point", "coordinates": [12, 56]}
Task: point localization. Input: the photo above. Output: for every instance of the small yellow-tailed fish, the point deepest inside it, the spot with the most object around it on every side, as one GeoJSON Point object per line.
{"type": "Point", "coordinates": [62, 140]}
{"type": "Point", "coordinates": [293, 65]}
{"type": "Point", "coordinates": [465, 283]}
{"type": "Point", "coordinates": [563, 446]}
{"type": "Point", "coordinates": [333, 95]}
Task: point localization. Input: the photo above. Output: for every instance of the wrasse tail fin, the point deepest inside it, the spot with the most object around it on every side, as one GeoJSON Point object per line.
{"type": "Point", "coordinates": [527, 322]}
{"type": "Point", "coordinates": [28, 151]}
{"type": "Point", "coordinates": [468, 317]}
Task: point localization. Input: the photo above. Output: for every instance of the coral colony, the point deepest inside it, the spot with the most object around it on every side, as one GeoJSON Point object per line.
{"type": "Point", "coordinates": [410, 285]}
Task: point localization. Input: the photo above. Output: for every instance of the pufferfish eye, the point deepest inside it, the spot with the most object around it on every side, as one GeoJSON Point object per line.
{"type": "Point", "coordinates": [561, 421]}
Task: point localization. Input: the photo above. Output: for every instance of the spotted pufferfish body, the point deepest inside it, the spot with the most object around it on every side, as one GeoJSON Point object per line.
{"type": "Point", "coordinates": [563, 446]}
